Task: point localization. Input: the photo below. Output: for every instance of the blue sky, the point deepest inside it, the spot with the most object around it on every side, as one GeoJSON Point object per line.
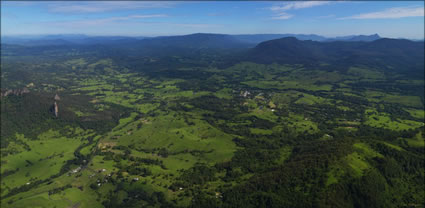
{"type": "Point", "coordinates": [142, 18]}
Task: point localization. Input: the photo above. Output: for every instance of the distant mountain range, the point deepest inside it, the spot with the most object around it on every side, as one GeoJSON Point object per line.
{"type": "Point", "coordinates": [257, 38]}
{"type": "Point", "coordinates": [194, 41]}
{"type": "Point", "coordinates": [366, 38]}
{"type": "Point", "coordinates": [206, 40]}
{"type": "Point", "coordinates": [63, 39]}
{"type": "Point", "coordinates": [262, 48]}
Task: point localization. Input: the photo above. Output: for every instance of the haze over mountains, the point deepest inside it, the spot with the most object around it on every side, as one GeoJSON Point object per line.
{"type": "Point", "coordinates": [406, 56]}
{"type": "Point", "coordinates": [260, 48]}
{"type": "Point", "coordinates": [244, 39]}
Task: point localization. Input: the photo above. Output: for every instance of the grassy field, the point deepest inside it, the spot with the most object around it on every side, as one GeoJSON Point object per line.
{"type": "Point", "coordinates": [166, 129]}
{"type": "Point", "coordinates": [383, 120]}
{"type": "Point", "coordinates": [354, 164]}
{"type": "Point", "coordinates": [45, 158]}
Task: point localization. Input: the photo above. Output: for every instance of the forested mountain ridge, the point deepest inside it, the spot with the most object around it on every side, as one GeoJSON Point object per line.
{"type": "Point", "coordinates": [384, 52]}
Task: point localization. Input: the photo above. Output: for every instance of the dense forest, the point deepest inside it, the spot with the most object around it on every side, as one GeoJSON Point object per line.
{"type": "Point", "coordinates": [209, 120]}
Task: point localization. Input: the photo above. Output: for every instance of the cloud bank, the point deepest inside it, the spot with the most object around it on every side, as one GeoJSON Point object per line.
{"type": "Point", "coordinates": [280, 11]}
{"type": "Point", "coordinates": [391, 13]}
{"type": "Point", "coordinates": [106, 6]}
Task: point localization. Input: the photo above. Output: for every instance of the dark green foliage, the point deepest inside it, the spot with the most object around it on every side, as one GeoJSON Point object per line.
{"type": "Point", "coordinates": [404, 54]}
{"type": "Point", "coordinates": [300, 146]}
{"type": "Point", "coordinates": [30, 114]}
{"type": "Point", "coordinates": [199, 174]}
{"type": "Point", "coordinates": [135, 197]}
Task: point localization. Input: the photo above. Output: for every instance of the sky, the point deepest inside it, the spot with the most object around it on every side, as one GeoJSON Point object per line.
{"type": "Point", "coordinates": [395, 19]}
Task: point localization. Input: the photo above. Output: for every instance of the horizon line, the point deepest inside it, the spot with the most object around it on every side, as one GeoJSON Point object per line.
{"type": "Point", "coordinates": [169, 35]}
{"type": "Point", "coordinates": [158, 35]}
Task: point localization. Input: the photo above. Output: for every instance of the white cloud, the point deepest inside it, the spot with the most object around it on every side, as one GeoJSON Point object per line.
{"type": "Point", "coordinates": [128, 21]}
{"type": "Point", "coordinates": [391, 13]}
{"type": "Point", "coordinates": [99, 6]}
{"type": "Point", "coordinates": [280, 10]}
{"type": "Point", "coordinates": [17, 3]}
{"type": "Point", "coordinates": [326, 16]}
{"type": "Point", "coordinates": [298, 5]}
{"type": "Point", "coordinates": [103, 21]}
{"type": "Point", "coordinates": [282, 16]}
{"type": "Point", "coordinates": [195, 25]}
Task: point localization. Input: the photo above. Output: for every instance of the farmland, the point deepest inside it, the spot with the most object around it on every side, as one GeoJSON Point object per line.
{"type": "Point", "coordinates": [198, 136]}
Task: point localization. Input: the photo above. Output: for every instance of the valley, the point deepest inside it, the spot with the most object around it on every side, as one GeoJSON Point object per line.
{"type": "Point", "coordinates": [196, 131]}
